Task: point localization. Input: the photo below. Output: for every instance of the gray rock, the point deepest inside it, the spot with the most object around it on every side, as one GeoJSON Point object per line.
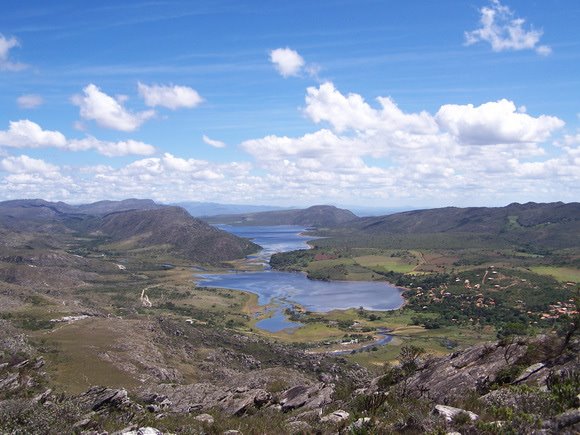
{"type": "Point", "coordinates": [360, 424]}
{"type": "Point", "coordinates": [464, 372]}
{"type": "Point", "coordinates": [205, 419]}
{"type": "Point", "coordinates": [314, 396]}
{"type": "Point", "coordinates": [143, 431]}
{"type": "Point", "coordinates": [99, 397]}
{"type": "Point", "coordinates": [449, 412]}
{"type": "Point", "coordinates": [336, 417]}
{"type": "Point", "coordinates": [528, 372]}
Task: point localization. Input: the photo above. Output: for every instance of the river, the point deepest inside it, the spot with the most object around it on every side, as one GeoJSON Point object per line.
{"type": "Point", "coordinates": [285, 288]}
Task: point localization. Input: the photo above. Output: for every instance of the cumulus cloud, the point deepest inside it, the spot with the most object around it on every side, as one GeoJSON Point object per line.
{"type": "Point", "coordinates": [386, 152]}
{"type": "Point", "coordinates": [29, 101]}
{"type": "Point", "coordinates": [496, 122]}
{"type": "Point", "coordinates": [7, 44]}
{"type": "Point", "coordinates": [28, 134]}
{"type": "Point", "coordinates": [287, 61]}
{"type": "Point", "coordinates": [214, 143]}
{"type": "Point", "coordinates": [351, 111]}
{"type": "Point", "coordinates": [24, 164]}
{"type": "Point", "coordinates": [367, 151]}
{"type": "Point", "coordinates": [111, 149]}
{"type": "Point", "coordinates": [503, 31]}
{"type": "Point", "coordinates": [172, 97]}
{"type": "Point", "coordinates": [107, 111]}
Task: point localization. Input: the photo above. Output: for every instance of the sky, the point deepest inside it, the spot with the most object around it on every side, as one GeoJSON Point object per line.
{"type": "Point", "coordinates": [379, 103]}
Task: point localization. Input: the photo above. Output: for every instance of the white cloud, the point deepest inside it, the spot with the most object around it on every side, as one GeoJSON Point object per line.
{"type": "Point", "coordinates": [29, 101]}
{"type": "Point", "coordinates": [367, 152]}
{"type": "Point", "coordinates": [214, 143]}
{"type": "Point", "coordinates": [352, 112]}
{"type": "Point", "coordinates": [495, 123]}
{"type": "Point", "coordinates": [28, 134]}
{"type": "Point", "coordinates": [386, 152]}
{"type": "Point", "coordinates": [172, 97]}
{"type": "Point", "coordinates": [7, 44]}
{"type": "Point", "coordinates": [107, 111]}
{"type": "Point", "coordinates": [24, 164]}
{"type": "Point", "coordinates": [111, 149]}
{"type": "Point", "coordinates": [287, 61]}
{"type": "Point", "coordinates": [504, 32]}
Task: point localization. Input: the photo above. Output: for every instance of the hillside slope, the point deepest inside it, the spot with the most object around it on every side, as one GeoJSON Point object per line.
{"type": "Point", "coordinates": [551, 224]}
{"type": "Point", "coordinates": [187, 237]}
{"type": "Point", "coordinates": [132, 224]}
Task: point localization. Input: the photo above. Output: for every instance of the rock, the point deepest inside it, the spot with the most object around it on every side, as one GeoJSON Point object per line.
{"type": "Point", "coordinates": [360, 424]}
{"type": "Point", "coordinates": [9, 382]}
{"type": "Point", "coordinates": [569, 420]}
{"type": "Point", "coordinates": [528, 372]}
{"type": "Point", "coordinates": [22, 364]}
{"type": "Point", "coordinates": [314, 396]}
{"type": "Point", "coordinates": [205, 419]}
{"type": "Point", "coordinates": [299, 427]}
{"type": "Point", "coordinates": [237, 404]}
{"type": "Point", "coordinates": [143, 431]}
{"type": "Point", "coordinates": [83, 424]}
{"type": "Point", "coordinates": [336, 417]}
{"type": "Point", "coordinates": [464, 372]}
{"type": "Point", "coordinates": [39, 363]}
{"type": "Point", "coordinates": [232, 432]}
{"type": "Point", "coordinates": [99, 397]}
{"type": "Point", "coordinates": [313, 415]}
{"type": "Point", "coordinates": [449, 412]}
{"type": "Point", "coordinates": [42, 397]}
{"type": "Point", "coordinates": [153, 408]}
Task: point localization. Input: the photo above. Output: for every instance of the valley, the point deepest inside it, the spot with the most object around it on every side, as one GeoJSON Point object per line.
{"type": "Point", "coordinates": [147, 300]}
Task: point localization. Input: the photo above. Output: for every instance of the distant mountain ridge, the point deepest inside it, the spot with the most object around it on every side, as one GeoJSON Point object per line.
{"type": "Point", "coordinates": [206, 209]}
{"type": "Point", "coordinates": [554, 223]}
{"type": "Point", "coordinates": [317, 216]}
{"type": "Point", "coordinates": [134, 222]}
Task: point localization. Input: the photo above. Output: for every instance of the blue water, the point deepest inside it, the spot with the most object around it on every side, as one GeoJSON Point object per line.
{"type": "Point", "coordinates": [313, 295]}
{"type": "Point", "coordinates": [274, 286]}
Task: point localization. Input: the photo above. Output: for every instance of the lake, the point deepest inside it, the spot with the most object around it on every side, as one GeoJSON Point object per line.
{"type": "Point", "coordinates": [285, 288]}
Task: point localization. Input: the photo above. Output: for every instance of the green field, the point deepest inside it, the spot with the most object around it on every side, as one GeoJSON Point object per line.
{"type": "Point", "coordinates": [385, 263]}
{"type": "Point", "coordinates": [562, 274]}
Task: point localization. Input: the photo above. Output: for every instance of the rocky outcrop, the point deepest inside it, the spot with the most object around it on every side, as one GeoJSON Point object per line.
{"type": "Point", "coordinates": [308, 397]}
{"type": "Point", "coordinates": [463, 372]}
{"type": "Point", "coordinates": [234, 401]}
{"type": "Point", "coordinates": [97, 398]}
{"type": "Point", "coordinates": [449, 413]}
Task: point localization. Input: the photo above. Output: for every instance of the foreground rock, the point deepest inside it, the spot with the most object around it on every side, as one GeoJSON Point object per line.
{"type": "Point", "coordinates": [450, 413]}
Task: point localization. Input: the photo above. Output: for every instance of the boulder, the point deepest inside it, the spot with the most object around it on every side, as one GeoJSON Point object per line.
{"type": "Point", "coordinates": [205, 419]}
{"type": "Point", "coordinates": [360, 424]}
{"type": "Point", "coordinates": [336, 417]}
{"type": "Point", "coordinates": [99, 397]}
{"type": "Point", "coordinates": [314, 396]}
{"type": "Point", "coordinates": [449, 412]}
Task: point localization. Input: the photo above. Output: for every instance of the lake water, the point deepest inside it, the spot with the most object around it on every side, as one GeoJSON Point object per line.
{"type": "Point", "coordinates": [285, 288]}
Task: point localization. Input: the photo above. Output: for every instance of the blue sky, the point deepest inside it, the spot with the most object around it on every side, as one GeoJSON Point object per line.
{"type": "Point", "coordinates": [363, 102]}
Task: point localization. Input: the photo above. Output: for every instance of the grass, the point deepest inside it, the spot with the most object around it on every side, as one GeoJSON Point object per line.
{"type": "Point", "coordinates": [562, 274]}
{"type": "Point", "coordinates": [75, 356]}
{"type": "Point", "coordinates": [385, 263]}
